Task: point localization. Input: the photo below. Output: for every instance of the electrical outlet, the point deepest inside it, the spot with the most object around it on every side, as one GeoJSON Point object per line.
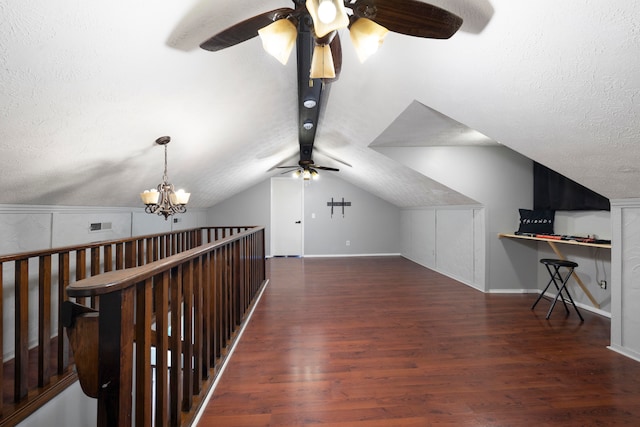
{"type": "Point", "coordinates": [348, 242]}
{"type": "Point", "coordinates": [603, 284]}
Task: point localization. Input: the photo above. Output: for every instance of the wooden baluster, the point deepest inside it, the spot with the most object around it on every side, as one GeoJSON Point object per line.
{"type": "Point", "coordinates": [115, 370]}
{"type": "Point", "coordinates": [207, 330]}
{"type": "Point", "coordinates": [144, 318]}
{"type": "Point", "coordinates": [235, 284]}
{"type": "Point", "coordinates": [224, 272]}
{"type": "Point", "coordinates": [156, 248]}
{"type": "Point", "coordinates": [149, 250]}
{"type": "Point", "coordinates": [95, 270]}
{"type": "Point", "coordinates": [108, 258]}
{"type": "Point", "coordinates": [141, 252]}
{"type": "Point", "coordinates": [81, 269]}
{"type": "Point", "coordinates": [21, 329]}
{"type": "Point", "coordinates": [175, 345]}
{"type": "Point", "coordinates": [95, 261]}
{"type": "Point", "coordinates": [217, 304]}
{"type": "Point", "coordinates": [1, 338]}
{"type": "Point", "coordinates": [129, 254]}
{"type": "Point", "coordinates": [119, 256]}
{"type": "Point", "coordinates": [242, 279]}
{"type": "Point", "coordinates": [197, 326]}
{"type": "Point", "coordinates": [63, 340]}
{"type": "Point", "coordinates": [161, 290]}
{"type": "Point", "coordinates": [44, 321]}
{"type": "Point", "coordinates": [166, 246]}
{"type": "Point", "coordinates": [187, 320]}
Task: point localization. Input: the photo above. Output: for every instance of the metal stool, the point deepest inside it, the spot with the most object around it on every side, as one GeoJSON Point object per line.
{"type": "Point", "coordinates": [553, 267]}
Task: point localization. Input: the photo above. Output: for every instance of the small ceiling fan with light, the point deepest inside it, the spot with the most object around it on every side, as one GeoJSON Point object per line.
{"type": "Point", "coordinates": [312, 26]}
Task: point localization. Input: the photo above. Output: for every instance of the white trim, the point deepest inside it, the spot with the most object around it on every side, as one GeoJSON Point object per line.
{"type": "Point", "coordinates": [627, 203]}
{"type": "Point", "coordinates": [444, 207]}
{"type": "Point", "coordinates": [60, 209]}
{"type": "Point", "coordinates": [206, 399]}
{"type": "Point", "coordinates": [347, 255]}
{"type": "Point", "coordinates": [625, 352]}
{"type": "Point", "coordinates": [550, 296]}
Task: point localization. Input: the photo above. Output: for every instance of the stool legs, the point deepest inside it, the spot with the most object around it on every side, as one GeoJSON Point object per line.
{"type": "Point", "coordinates": [560, 284]}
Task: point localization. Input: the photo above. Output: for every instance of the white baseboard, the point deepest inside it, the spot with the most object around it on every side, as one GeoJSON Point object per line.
{"type": "Point", "coordinates": [625, 352]}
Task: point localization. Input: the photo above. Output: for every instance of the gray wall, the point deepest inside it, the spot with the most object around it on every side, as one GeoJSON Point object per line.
{"type": "Point", "coordinates": [250, 207]}
{"type": "Point", "coordinates": [503, 183]}
{"type": "Point", "coordinates": [371, 224]}
{"type": "Point", "coordinates": [501, 180]}
{"type": "Point", "coordinates": [447, 239]}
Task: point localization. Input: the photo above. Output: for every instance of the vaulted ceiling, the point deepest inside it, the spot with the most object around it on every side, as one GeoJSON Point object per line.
{"type": "Point", "coordinates": [87, 87]}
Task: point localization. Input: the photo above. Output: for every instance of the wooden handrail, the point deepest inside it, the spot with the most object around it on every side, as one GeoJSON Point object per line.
{"type": "Point", "coordinates": [184, 309]}
{"type": "Point", "coordinates": [40, 344]}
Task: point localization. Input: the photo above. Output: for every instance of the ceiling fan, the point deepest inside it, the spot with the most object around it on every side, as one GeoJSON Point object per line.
{"type": "Point", "coordinates": [312, 26]}
{"type": "Point", "coordinates": [307, 169]}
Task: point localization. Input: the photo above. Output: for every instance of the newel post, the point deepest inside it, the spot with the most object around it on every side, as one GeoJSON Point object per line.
{"type": "Point", "coordinates": [115, 352]}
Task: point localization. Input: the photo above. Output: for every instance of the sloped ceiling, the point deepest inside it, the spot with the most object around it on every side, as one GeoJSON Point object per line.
{"type": "Point", "coordinates": [87, 87]}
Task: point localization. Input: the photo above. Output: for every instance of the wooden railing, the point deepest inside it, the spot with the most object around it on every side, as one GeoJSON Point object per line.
{"type": "Point", "coordinates": [173, 320]}
{"type": "Point", "coordinates": [41, 364]}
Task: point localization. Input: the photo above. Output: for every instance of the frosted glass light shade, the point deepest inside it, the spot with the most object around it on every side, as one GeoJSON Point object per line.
{"type": "Point", "coordinates": [322, 63]}
{"type": "Point", "coordinates": [318, 9]}
{"type": "Point", "coordinates": [150, 197]}
{"type": "Point", "coordinates": [180, 197]}
{"type": "Point", "coordinates": [366, 37]}
{"type": "Point", "coordinates": [278, 39]}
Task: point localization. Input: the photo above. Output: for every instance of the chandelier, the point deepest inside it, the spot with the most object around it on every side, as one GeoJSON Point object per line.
{"type": "Point", "coordinates": [164, 200]}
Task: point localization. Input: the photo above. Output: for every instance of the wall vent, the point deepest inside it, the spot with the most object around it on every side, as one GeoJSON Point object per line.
{"type": "Point", "coordinates": [99, 226]}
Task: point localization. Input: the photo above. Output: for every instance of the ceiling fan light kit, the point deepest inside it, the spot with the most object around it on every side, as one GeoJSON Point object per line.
{"type": "Point", "coordinates": [278, 39]}
{"type": "Point", "coordinates": [164, 200]}
{"type": "Point", "coordinates": [366, 37]}
{"type": "Point", "coordinates": [322, 63]}
{"type": "Point", "coordinates": [327, 15]}
{"type": "Point", "coordinates": [306, 174]}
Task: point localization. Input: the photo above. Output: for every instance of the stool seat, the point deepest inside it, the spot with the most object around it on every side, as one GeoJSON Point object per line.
{"type": "Point", "coordinates": [559, 262]}
{"type": "Point", "coordinates": [553, 267]}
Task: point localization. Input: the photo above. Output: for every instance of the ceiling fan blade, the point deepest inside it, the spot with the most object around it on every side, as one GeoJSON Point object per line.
{"type": "Point", "coordinates": [325, 168]}
{"type": "Point", "coordinates": [244, 30]}
{"type": "Point", "coordinates": [410, 17]}
{"type": "Point", "coordinates": [288, 171]}
{"type": "Point", "coordinates": [287, 167]}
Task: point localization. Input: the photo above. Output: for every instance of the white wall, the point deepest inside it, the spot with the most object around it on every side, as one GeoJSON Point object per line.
{"type": "Point", "coordinates": [625, 260]}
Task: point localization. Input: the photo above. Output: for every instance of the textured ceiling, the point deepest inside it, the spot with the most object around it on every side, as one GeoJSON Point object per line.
{"type": "Point", "coordinates": [87, 87]}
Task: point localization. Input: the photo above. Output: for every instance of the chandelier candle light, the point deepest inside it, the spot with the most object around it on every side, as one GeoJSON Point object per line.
{"type": "Point", "coordinates": [164, 200]}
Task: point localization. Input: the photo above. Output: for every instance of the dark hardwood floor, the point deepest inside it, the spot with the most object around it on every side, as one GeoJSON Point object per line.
{"type": "Point", "coordinates": [386, 342]}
